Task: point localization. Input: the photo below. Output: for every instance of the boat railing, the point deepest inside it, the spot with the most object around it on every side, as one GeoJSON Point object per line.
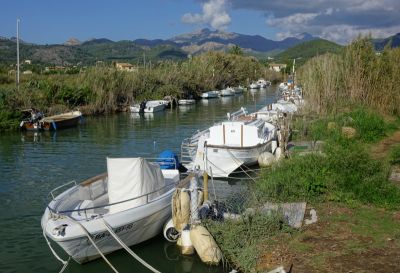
{"type": "Point", "coordinates": [235, 115]}
{"type": "Point", "coordinates": [86, 209]}
{"type": "Point", "coordinates": [62, 186]}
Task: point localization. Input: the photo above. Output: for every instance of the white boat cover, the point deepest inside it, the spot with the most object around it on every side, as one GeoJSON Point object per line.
{"type": "Point", "coordinates": [132, 177]}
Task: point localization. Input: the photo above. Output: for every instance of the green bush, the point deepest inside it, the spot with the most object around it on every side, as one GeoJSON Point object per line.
{"type": "Point", "coordinates": [240, 239]}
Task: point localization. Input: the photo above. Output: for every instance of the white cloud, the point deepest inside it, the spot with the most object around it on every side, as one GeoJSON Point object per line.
{"type": "Point", "coordinates": [339, 20]}
{"type": "Point", "coordinates": [214, 13]}
{"type": "Point", "coordinates": [294, 19]}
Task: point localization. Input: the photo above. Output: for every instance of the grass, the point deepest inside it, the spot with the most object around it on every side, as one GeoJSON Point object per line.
{"type": "Point", "coordinates": [355, 76]}
{"type": "Point", "coordinates": [240, 240]}
{"type": "Point", "coordinates": [395, 155]}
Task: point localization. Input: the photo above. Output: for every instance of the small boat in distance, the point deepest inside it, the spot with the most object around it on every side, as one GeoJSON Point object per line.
{"type": "Point", "coordinates": [35, 120]}
{"type": "Point", "coordinates": [133, 199]}
{"type": "Point", "coordinates": [210, 94]}
{"type": "Point", "coordinates": [227, 92]}
{"type": "Point", "coordinates": [186, 102]}
{"type": "Point", "coordinates": [150, 106]}
{"type": "Point", "coordinates": [254, 85]}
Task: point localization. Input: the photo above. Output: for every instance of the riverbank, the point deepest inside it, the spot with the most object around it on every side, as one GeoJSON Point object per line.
{"type": "Point", "coordinates": [99, 90]}
{"type": "Point", "coordinates": [351, 189]}
{"type": "Point", "coordinates": [352, 106]}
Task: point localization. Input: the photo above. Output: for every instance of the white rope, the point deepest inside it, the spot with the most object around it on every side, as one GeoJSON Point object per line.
{"type": "Point", "coordinates": [133, 254]}
{"type": "Point", "coordinates": [52, 250]}
{"type": "Point", "coordinates": [94, 244]}
{"type": "Point", "coordinates": [65, 265]}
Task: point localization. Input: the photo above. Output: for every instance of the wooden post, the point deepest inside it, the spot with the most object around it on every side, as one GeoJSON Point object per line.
{"type": "Point", "coordinates": [205, 186]}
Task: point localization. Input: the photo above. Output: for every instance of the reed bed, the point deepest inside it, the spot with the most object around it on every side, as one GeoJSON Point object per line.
{"type": "Point", "coordinates": [356, 76]}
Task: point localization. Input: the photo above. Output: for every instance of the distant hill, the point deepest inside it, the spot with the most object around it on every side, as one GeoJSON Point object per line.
{"type": "Point", "coordinates": [206, 39]}
{"type": "Point", "coordinates": [87, 53]}
{"type": "Point", "coordinates": [307, 50]}
{"type": "Point", "coordinates": [394, 41]}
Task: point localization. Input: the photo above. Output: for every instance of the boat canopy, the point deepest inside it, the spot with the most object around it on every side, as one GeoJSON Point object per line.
{"type": "Point", "coordinates": [129, 178]}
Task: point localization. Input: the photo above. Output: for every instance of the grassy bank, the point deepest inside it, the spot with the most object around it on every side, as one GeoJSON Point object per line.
{"type": "Point", "coordinates": [344, 175]}
{"type": "Point", "coordinates": [348, 181]}
{"type": "Point", "coordinates": [104, 89]}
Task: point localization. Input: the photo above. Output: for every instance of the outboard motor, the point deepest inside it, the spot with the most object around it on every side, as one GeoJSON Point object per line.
{"type": "Point", "coordinates": [142, 106]}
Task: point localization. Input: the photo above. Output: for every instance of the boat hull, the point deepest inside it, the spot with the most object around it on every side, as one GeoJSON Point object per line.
{"type": "Point", "coordinates": [53, 123]}
{"type": "Point", "coordinates": [224, 160]}
{"type": "Point", "coordinates": [132, 226]}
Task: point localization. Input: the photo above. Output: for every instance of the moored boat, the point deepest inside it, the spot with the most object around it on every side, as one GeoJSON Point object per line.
{"type": "Point", "coordinates": [227, 146]}
{"type": "Point", "coordinates": [186, 101]}
{"type": "Point", "coordinates": [133, 198]}
{"type": "Point", "coordinates": [254, 85]}
{"type": "Point", "coordinates": [227, 92]}
{"type": "Point", "coordinates": [210, 94]}
{"type": "Point", "coordinates": [150, 106]}
{"type": "Point", "coordinates": [37, 121]}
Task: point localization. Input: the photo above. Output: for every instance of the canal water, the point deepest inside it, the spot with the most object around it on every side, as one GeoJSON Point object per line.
{"type": "Point", "coordinates": [32, 164]}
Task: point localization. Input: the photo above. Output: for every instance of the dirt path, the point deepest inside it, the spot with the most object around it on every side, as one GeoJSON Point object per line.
{"type": "Point", "coordinates": [362, 239]}
{"type": "Point", "coordinates": [379, 150]}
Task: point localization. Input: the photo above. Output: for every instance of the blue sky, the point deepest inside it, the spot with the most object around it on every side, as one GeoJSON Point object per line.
{"type": "Point", "coordinates": [55, 21]}
{"type": "Point", "coordinates": [45, 21]}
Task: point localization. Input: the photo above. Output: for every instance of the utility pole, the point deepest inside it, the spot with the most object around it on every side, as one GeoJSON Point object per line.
{"type": "Point", "coordinates": [18, 54]}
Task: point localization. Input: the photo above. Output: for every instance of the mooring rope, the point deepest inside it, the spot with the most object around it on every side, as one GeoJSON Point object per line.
{"type": "Point", "coordinates": [133, 254]}
{"type": "Point", "coordinates": [94, 244]}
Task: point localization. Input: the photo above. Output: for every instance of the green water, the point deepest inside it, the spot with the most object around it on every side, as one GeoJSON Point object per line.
{"type": "Point", "coordinates": [32, 164]}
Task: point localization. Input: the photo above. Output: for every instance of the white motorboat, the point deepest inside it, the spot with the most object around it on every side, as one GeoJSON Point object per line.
{"type": "Point", "coordinates": [150, 106]}
{"type": "Point", "coordinates": [227, 146]}
{"type": "Point", "coordinates": [186, 102]}
{"type": "Point", "coordinates": [271, 113]}
{"type": "Point", "coordinates": [254, 85]}
{"type": "Point", "coordinates": [227, 92]}
{"type": "Point", "coordinates": [133, 198]}
{"type": "Point", "coordinates": [262, 83]}
{"type": "Point", "coordinates": [210, 94]}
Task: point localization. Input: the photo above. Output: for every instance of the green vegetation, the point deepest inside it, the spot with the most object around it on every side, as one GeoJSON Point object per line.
{"type": "Point", "coordinates": [88, 53]}
{"type": "Point", "coordinates": [395, 155]}
{"type": "Point", "coordinates": [240, 240]}
{"type": "Point", "coordinates": [305, 51]}
{"type": "Point", "coordinates": [104, 89]}
{"type": "Point", "coordinates": [355, 90]}
{"type": "Point", "coordinates": [356, 76]}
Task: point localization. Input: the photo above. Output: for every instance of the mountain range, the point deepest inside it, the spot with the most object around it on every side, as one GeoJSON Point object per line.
{"type": "Point", "coordinates": [74, 51]}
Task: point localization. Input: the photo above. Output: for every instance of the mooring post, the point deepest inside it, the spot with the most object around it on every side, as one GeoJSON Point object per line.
{"type": "Point", "coordinates": [193, 198]}
{"type": "Point", "coordinates": [205, 186]}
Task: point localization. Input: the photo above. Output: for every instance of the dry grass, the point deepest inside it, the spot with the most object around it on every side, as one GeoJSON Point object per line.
{"type": "Point", "coordinates": [356, 76]}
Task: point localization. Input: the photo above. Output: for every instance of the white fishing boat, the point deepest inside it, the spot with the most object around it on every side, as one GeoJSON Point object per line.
{"type": "Point", "coordinates": [186, 101]}
{"type": "Point", "coordinates": [210, 94]}
{"type": "Point", "coordinates": [254, 85]}
{"type": "Point", "coordinates": [133, 199]}
{"type": "Point", "coordinates": [225, 147]}
{"type": "Point", "coordinates": [150, 106]}
{"type": "Point", "coordinates": [227, 92]}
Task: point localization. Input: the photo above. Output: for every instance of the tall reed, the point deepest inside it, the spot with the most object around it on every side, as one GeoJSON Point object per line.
{"type": "Point", "coordinates": [358, 75]}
